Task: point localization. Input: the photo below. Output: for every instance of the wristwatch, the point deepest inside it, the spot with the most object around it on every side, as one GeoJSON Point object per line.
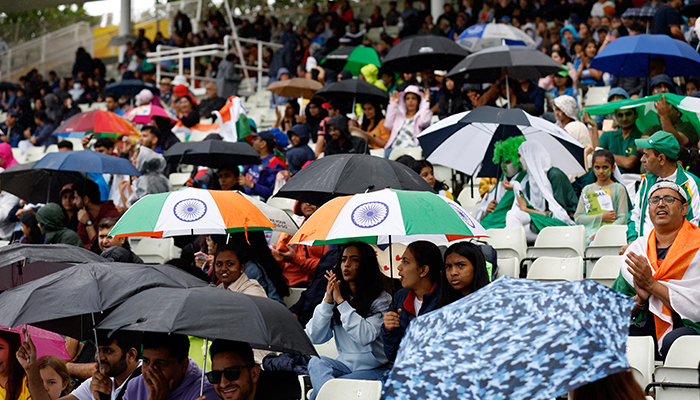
{"type": "Point", "coordinates": [88, 223]}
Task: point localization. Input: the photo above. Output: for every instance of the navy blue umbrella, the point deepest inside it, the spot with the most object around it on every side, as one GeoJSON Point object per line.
{"type": "Point", "coordinates": [514, 339]}
{"type": "Point", "coordinates": [630, 56]}
{"type": "Point", "coordinates": [131, 86]}
{"type": "Point", "coordinates": [87, 161]}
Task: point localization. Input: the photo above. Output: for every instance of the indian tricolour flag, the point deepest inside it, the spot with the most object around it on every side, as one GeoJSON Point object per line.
{"type": "Point", "coordinates": [234, 121]}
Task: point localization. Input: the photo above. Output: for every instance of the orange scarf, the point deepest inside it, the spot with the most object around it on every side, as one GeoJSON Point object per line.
{"type": "Point", "coordinates": [673, 267]}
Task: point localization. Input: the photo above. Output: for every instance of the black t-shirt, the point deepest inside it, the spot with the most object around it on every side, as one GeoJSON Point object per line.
{"type": "Point", "coordinates": [664, 17]}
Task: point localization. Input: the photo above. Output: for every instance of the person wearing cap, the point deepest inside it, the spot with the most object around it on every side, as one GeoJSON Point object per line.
{"type": "Point", "coordinates": [621, 141]}
{"type": "Point", "coordinates": [566, 112]}
{"type": "Point", "coordinates": [259, 179]}
{"type": "Point", "coordinates": [179, 91]}
{"type": "Point", "coordinates": [660, 270]}
{"type": "Point", "coordinates": [407, 115]}
{"type": "Point", "coordinates": [12, 131]}
{"type": "Point", "coordinates": [563, 85]}
{"type": "Point", "coordinates": [144, 97]}
{"type": "Point", "coordinates": [341, 142]}
{"type": "Point", "coordinates": [617, 93]}
{"type": "Point", "coordinates": [69, 206]}
{"type": "Point", "coordinates": [660, 160]}
{"type": "Point", "coordinates": [332, 108]}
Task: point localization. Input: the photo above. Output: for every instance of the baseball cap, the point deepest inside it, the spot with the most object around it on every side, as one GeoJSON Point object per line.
{"type": "Point", "coordinates": [663, 142]}
{"type": "Point", "coordinates": [181, 90]}
{"type": "Point", "coordinates": [66, 188]}
{"type": "Point", "coordinates": [329, 104]}
{"type": "Point", "coordinates": [563, 72]}
{"type": "Point", "coordinates": [268, 137]}
{"type": "Point", "coordinates": [13, 113]}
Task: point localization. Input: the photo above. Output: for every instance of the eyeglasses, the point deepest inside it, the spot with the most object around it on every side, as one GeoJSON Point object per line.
{"type": "Point", "coordinates": [668, 200]}
{"type": "Point", "coordinates": [231, 374]}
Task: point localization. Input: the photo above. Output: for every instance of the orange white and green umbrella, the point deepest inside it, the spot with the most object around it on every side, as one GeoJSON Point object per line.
{"type": "Point", "coordinates": [191, 212]}
{"type": "Point", "coordinates": [388, 216]}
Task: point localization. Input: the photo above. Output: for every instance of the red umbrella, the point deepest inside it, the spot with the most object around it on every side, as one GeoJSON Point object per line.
{"type": "Point", "coordinates": [101, 123]}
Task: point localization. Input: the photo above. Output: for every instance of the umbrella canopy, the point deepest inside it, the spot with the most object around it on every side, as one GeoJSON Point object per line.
{"type": "Point", "coordinates": [361, 91]}
{"type": "Point", "coordinates": [144, 114]}
{"type": "Point", "coordinates": [87, 161]}
{"type": "Point", "coordinates": [514, 339]}
{"type": "Point", "coordinates": [388, 216]}
{"type": "Point", "coordinates": [346, 174]}
{"type": "Point", "coordinates": [476, 133]}
{"type": "Point", "coordinates": [131, 86]}
{"type": "Point", "coordinates": [191, 212]}
{"type": "Point", "coordinates": [639, 14]}
{"type": "Point", "coordinates": [295, 87]}
{"type": "Point", "coordinates": [416, 53]}
{"type": "Point", "coordinates": [263, 323]}
{"type": "Point", "coordinates": [283, 222]}
{"type": "Point", "coordinates": [630, 56]}
{"type": "Point", "coordinates": [84, 290]}
{"type": "Point", "coordinates": [37, 185]}
{"type": "Point", "coordinates": [522, 63]}
{"type": "Point", "coordinates": [351, 58]}
{"type": "Point", "coordinates": [101, 123]}
{"type": "Point", "coordinates": [47, 343]}
{"type": "Point", "coordinates": [213, 153]}
{"type": "Point", "coordinates": [35, 261]}
{"type": "Point", "coordinates": [646, 109]}
{"type": "Point", "coordinates": [479, 36]}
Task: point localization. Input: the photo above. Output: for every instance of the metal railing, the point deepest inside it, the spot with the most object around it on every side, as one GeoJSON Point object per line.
{"type": "Point", "coordinates": [52, 51]}
{"type": "Point", "coordinates": [180, 54]}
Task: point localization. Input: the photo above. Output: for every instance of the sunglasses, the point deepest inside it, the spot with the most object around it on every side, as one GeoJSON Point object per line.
{"type": "Point", "coordinates": [231, 374]}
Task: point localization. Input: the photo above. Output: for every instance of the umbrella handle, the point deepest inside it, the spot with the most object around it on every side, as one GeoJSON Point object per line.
{"type": "Point", "coordinates": [204, 367]}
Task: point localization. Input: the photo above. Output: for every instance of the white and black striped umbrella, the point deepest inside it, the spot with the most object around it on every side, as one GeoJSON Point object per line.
{"type": "Point", "coordinates": [465, 141]}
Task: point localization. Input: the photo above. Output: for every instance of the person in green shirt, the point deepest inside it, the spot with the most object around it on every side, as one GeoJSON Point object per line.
{"type": "Point", "coordinates": [621, 141]}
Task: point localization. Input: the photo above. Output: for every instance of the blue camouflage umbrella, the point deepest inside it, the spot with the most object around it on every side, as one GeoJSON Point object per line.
{"type": "Point", "coordinates": [514, 339]}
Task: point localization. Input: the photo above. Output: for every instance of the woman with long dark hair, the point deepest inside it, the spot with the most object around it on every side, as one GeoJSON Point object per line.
{"type": "Point", "coordinates": [419, 273]}
{"type": "Point", "coordinates": [425, 169]}
{"type": "Point", "coordinates": [372, 126]}
{"type": "Point", "coordinates": [464, 273]}
{"type": "Point", "coordinates": [352, 312]}
{"type": "Point", "coordinates": [13, 384]}
{"type": "Point", "coordinates": [315, 113]}
{"type": "Point", "coordinates": [30, 229]}
{"type": "Point", "coordinates": [261, 265]}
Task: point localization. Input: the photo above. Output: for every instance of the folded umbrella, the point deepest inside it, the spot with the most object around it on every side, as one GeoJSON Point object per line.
{"type": "Point", "coordinates": [212, 313]}
{"type": "Point", "coordinates": [476, 133]}
{"type": "Point", "coordinates": [351, 58]}
{"type": "Point", "coordinates": [22, 263]}
{"type": "Point", "coordinates": [485, 66]}
{"type": "Point", "coordinates": [346, 174]}
{"type": "Point", "coordinates": [514, 339]}
{"type": "Point", "coordinates": [360, 91]}
{"type": "Point", "coordinates": [213, 153]}
{"type": "Point", "coordinates": [191, 212]}
{"type": "Point", "coordinates": [295, 88]}
{"type": "Point", "coordinates": [68, 301]}
{"type": "Point", "coordinates": [87, 161]}
{"type": "Point", "coordinates": [47, 343]}
{"type": "Point", "coordinates": [416, 53]}
{"type": "Point", "coordinates": [101, 123]}
{"type": "Point", "coordinates": [630, 56]}
{"type": "Point", "coordinates": [37, 185]}
{"type": "Point", "coordinates": [481, 36]}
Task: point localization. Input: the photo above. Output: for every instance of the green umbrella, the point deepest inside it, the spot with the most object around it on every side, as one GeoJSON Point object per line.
{"type": "Point", "coordinates": [351, 58]}
{"type": "Point", "coordinates": [646, 109]}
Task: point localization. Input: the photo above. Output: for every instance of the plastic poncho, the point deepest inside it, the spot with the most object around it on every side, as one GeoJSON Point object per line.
{"type": "Point", "coordinates": [152, 181]}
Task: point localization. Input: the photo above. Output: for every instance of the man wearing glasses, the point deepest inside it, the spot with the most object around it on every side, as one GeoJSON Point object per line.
{"type": "Point", "coordinates": [621, 141]}
{"type": "Point", "coordinates": [660, 159]}
{"type": "Point", "coordinates": [660, 270]}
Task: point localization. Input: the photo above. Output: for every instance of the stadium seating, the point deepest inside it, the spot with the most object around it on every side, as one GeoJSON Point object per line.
{"type": "Point", "coordinates": [681, 366]}
{"type": "Point", "coordinates": [283, 204]}
{"type": "Point", "coordinates": [509, 243]}
{"type": "Point", "coordinates": [607, 242]}
{"type": "Point", "coordinates": [156, 251]}
{"type": "Point", "coordinates": [640, 355]}
{"type": "Point", "coordinates": [294, 295]}
{"type": "Point", "coordinates": [556, 269]}
{"type": "Point", "coordinates": [606, 270]}
{"type": "Point", "coordinates": [350, 389]}
{"type": "Point", "coordinates": [415, 152]}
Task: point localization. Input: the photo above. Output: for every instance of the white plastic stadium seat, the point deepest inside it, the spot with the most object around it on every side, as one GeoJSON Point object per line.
{"type": "Point", "coordinates": [294, 295]}
{"type": "Point", "coordinates": [415, 152]}
{"type": "Point", "coordinates": [607, 242]}
{"type": "Point", "coordinates": [350, 389]}
{"type": "Point", "coordinates": [444, 174]}
{"type": "Point", "coordinates": [468, 202]}
{"type": "Point", "coordinates": [509, 267]}
{"type": "Point", "coordinates": [283, 204]}
{"type": "Point", "coordinates": [684, 352]}
{"type": "Point", "coordinates": [377, 152]}
{"type": "Point", "coordinates": [606, 270]}
{"type": "Point", "coordinates": [559, 241]}
{"type": "Point", "coordinates": [556, 269]}
{"type": "Point", "coordinates": [179, 179]}
{"type": "Point", "coordinates": [509, 243]}
{"type": "Point", "coordinates": [53, 148]}
{"type": "Point", "coordinates": [596, 95]}
{"type": "Point", "coordinates": [197, 136]}
{"type": "Point", "coordinates": [34, 153]}
{"type": "Point", "coordinates": [681, 366]}
{"type": "Point", "coordinates": [640, 355]}
{"type": "Point", "coordinates": [156, 251]}
{"type": "Point", "coordinates": [17, 154]}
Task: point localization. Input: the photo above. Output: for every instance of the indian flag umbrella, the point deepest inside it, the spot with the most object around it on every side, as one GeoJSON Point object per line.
{"type": "Point", "coordinates": [387, 216]}
{"type": "Point", "coordinates": [646, 109]}
{"type": "Point", "coordinates": [191, 212]}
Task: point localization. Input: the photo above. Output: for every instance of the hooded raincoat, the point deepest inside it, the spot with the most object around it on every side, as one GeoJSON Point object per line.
{"type": "Point", "coordinates": [371, 74]}
{"type": "Point", "coordinates": [152, 181]}
{"type": "Point", "coordinates": [52, 221]}
{"type": "Point", "coordinates": [300, 154]}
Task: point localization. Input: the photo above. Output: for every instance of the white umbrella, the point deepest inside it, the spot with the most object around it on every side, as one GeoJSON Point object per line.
{"type": "Point", "coordinates": [480, 36]}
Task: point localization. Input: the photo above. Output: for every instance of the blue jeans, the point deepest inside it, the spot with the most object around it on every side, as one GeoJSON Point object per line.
{"type": "Point", "coordinates": [323, 369]}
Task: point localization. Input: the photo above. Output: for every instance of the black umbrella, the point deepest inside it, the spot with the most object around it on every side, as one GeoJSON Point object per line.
{"type": "Point", "coordinates": [361, 91]}
{"type": "Point", "coordinates": [66, 302]}
{"type": "Point", "coordinates": [213, 153]}
{"type": "Point", "coordinates": [212, 313]}
{"type": "Point", "coordinates": [692, 9]}
{"type": "Point", "coordinates": [8, 86]}
{"type": "Point", "coordinates": [347, 174]}
{"type": "Point", "coordinates": [37, 185]}
{"type": "Point", "coordinates": [416, 53]}
{"type": "Point", "coordinates": [131, 86]}
{"type": "Point", "coordinates": [522, 63]}
{"type": "Point", "coordinates": [22, 263]}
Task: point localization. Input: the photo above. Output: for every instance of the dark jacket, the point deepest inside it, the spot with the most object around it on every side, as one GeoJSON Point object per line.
{"type": "Point", "coordinates": [351, 144]}
{"type": "Point", "coordinates": [403, 299]}
{"type": "Point", "coordinates": [313, 295]}
{"type": "Point", "coordinates": [207, 106]}
{"type": "Point", "coordinates": [451, 103]}
{"type": "Point", "coordinates": [51, 218]}
{"type": "Point", "coordinates": [299, 155]}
